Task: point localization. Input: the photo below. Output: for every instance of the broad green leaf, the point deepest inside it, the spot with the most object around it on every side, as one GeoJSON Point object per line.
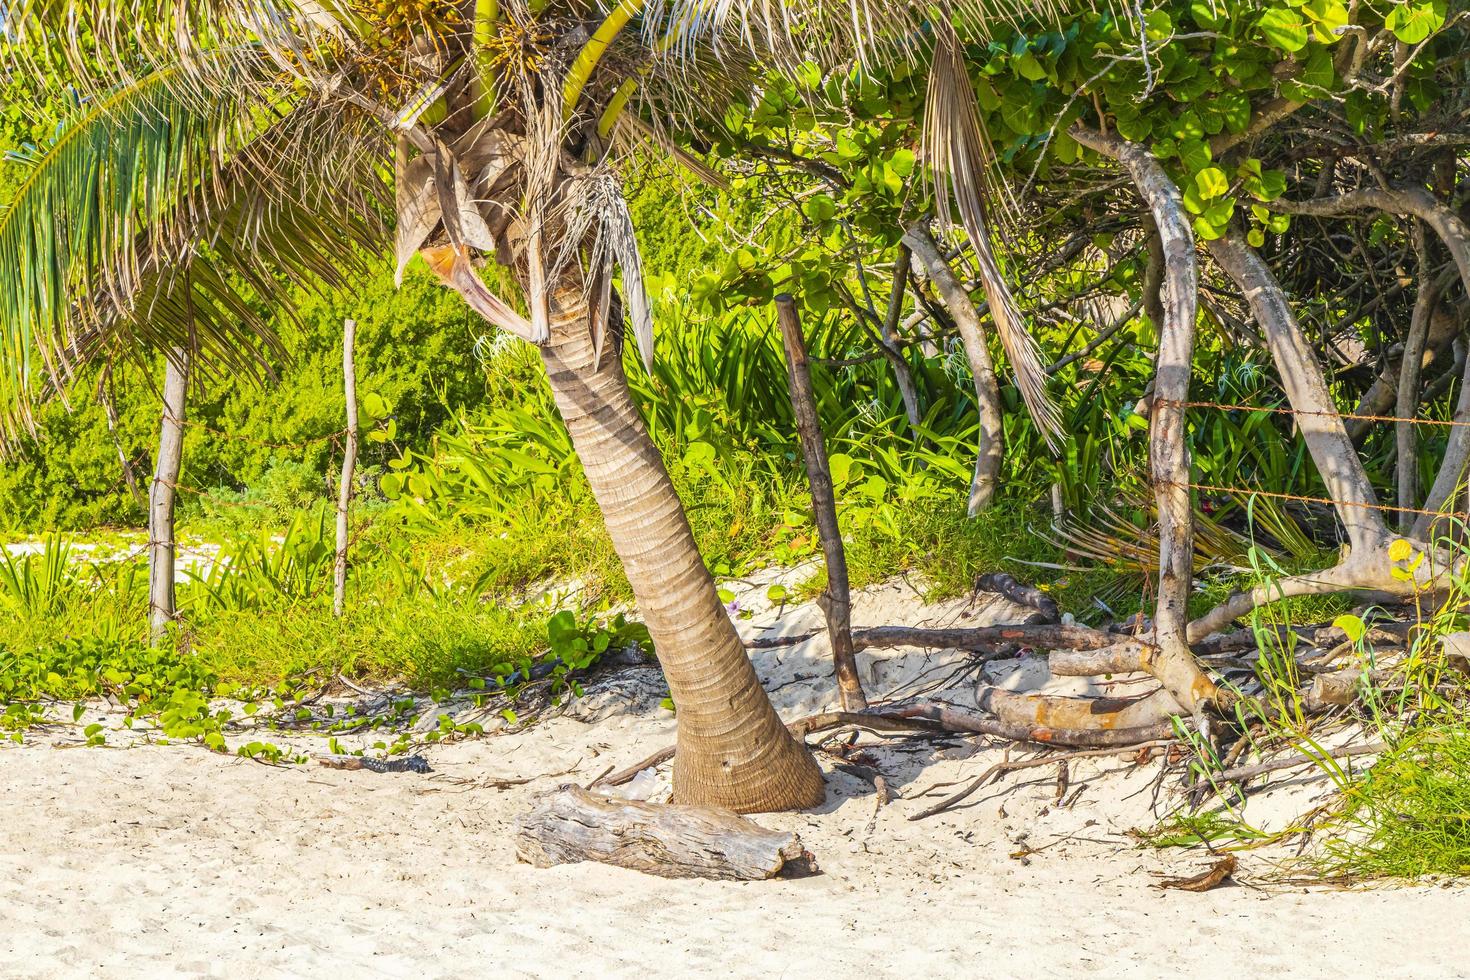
{"type": "Point", "coordinates": [1212, 183]}
{"type": "Point", "coordinates": [1284, 28]}
{"type": "Point", "coordinates": [1029, 68]}
{"type": "Point", "coordinates": [1194, 154]}
{"type": "Point", "coordinates": [1415, 21]}
{"type": "Point", "coordinates": [1354, 627]}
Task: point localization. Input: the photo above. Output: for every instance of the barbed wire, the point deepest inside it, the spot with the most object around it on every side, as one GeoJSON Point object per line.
{"type": "Point", "coordinates": [1287, 410]}
{"type": "Point", "coordinates": [1302, 498]}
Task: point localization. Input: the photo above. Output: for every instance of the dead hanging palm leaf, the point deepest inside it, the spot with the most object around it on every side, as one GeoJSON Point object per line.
{"type": "Point", "coordinates": [417, 204]}
{"type": "Point", "coordinates": [596, 215]}
{"type": "Point", "coordinates": [453, 267]}
{"type": "Point", "coordinates": [958, 153]}
{"type": "Point", "coordinates": [617, 243]}
{"type": "Point", "coordinates": [545, 136]}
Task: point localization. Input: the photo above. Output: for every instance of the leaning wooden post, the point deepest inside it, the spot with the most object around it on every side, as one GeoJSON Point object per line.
{"type": "Point", "coordinates": [161, 496]}
{"type": "Point", "coordinates": [835, 602]}
{"type": "Point", "coordinates": [349, 464]}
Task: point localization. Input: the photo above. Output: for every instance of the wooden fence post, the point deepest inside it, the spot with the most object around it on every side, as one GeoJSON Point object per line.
{"type": "Point", "coordinates": [349, 465]}
{"type": "Point", "coordinates": [162, 494]}
{"type": "Point", "coordinates": [835, 602]}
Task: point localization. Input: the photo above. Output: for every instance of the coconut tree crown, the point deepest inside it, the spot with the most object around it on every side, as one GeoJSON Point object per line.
{"type": "Point", "coordinates": [222, 149]}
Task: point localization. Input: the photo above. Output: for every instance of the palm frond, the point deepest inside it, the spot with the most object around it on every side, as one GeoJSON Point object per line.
{"type": "Point", "coordinates": [105, 42]}
{"type": "Point", "coordinates": [637, 134]}
{"type": "Point", "coordinates": [958, 153]}
{"type": "Point", "coordinates": [70, 235]}
{"type": "Point", "coordinates": [616, 243]}
{"type": "Point", "coordinates": [295, 208]}
{"type": "Point", "coordinates": [787, 33]}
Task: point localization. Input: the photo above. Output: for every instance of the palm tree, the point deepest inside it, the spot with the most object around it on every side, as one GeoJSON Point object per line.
{"type": "Point", "coordinates": [223, 148]}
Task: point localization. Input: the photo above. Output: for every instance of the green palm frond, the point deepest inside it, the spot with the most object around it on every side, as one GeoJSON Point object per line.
{"type": "Point", "coordinates": [73, 224]}
{"type": "Point", "coordinates": [166, 212]}
{"type": "Point", "coordinates": [277, 218]}
{"type": "Point", "coordinates": [134, 232]}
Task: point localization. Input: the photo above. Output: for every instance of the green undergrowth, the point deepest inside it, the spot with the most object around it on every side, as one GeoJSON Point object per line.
{"type": "Point", "coordinates": [1404, 813]}
{"type": "Point", "coordinates": [1408, 816]}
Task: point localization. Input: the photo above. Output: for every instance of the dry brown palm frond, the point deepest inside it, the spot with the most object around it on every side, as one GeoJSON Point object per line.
{"type": "Point", "coordinates": [1112, 534]}
{"type": "Point", "coordinates": [958, 152]}
{"type": "Point", "coordinates": [634, 133]}
{"type": "Point", "coordinates": [596, 217]}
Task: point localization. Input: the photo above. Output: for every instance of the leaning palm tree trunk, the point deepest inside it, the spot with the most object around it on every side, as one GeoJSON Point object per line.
{"type": "Point", "coordinates": [733, 750]}
{"type": "Point", "coordinates": [161, 497]}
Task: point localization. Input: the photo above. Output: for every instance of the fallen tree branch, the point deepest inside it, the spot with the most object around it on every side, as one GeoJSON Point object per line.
{"type": "Point", "coordinates": [1006, 585]}
{"type": "Point", "coordinates": [996, 640]}
{"type": "Point", "coordinates": [626, 775]}
{"type": "Point", "coordinates": [1004, 767]}
{"type": "Point", "coordinates": [1078, 713]}
{"type": "Point", "coordinates": [950, 718]}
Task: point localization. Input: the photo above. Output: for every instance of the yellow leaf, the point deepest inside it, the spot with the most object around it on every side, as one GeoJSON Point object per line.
{"type": "Point", "coordinates": [1399, 550]}
{"type": "Point", "coordinates": [1352, 626]}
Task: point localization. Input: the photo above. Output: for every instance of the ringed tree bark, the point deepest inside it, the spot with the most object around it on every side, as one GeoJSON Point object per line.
{"type": "Point", "coordinates": [733, 750]}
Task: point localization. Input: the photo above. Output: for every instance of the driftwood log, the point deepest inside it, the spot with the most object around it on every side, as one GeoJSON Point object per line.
{"type": "Point", "coordinates": [570, 824]}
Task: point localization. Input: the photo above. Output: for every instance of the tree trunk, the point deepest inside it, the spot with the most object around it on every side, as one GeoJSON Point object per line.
{"type": "Point", "coordinates": [889, 341]}
{"type": "Point", "coordinates": [733, 750]}
{"type": "Point", "coordinates": [1449, 483]}
{"type": "Point", "coordinates": [1406, 405]}
{"type": "Point", "coordinates": [987, 389]}
{"type": "Point", "coordinates": [1444, 328]}
{"type": "Point", "coordinates": [1178, 298]}
{"type": "Point", "coordinates": [349, 467]}
{"type": "Point", "coordinates": [1306, 389]}
{"type": "Point", "coordinates": [161, 495]}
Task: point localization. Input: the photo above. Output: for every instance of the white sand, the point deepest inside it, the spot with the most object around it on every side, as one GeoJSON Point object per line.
{"type": "Point", "coordinates": [170, 861]}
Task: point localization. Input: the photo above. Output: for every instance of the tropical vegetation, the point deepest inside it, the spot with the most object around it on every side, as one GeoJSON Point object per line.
{"type": "Point", "coordinates": [1125, 302]}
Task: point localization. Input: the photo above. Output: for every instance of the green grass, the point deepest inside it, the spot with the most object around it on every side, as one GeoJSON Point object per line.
{"type": "Point", "coordinates": [424, 643]}
{"type": "Point", "coordinates": [1409, 815]}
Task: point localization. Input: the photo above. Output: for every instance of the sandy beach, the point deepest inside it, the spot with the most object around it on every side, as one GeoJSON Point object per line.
{"type": "Point", "coordinates": [161, 861]}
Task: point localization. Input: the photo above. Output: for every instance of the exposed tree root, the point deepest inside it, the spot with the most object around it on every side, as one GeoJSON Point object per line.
{"type": "Point", "coordinates": [1077, 714]}
{"type": "Point", "coordinates": [1056, 759]}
